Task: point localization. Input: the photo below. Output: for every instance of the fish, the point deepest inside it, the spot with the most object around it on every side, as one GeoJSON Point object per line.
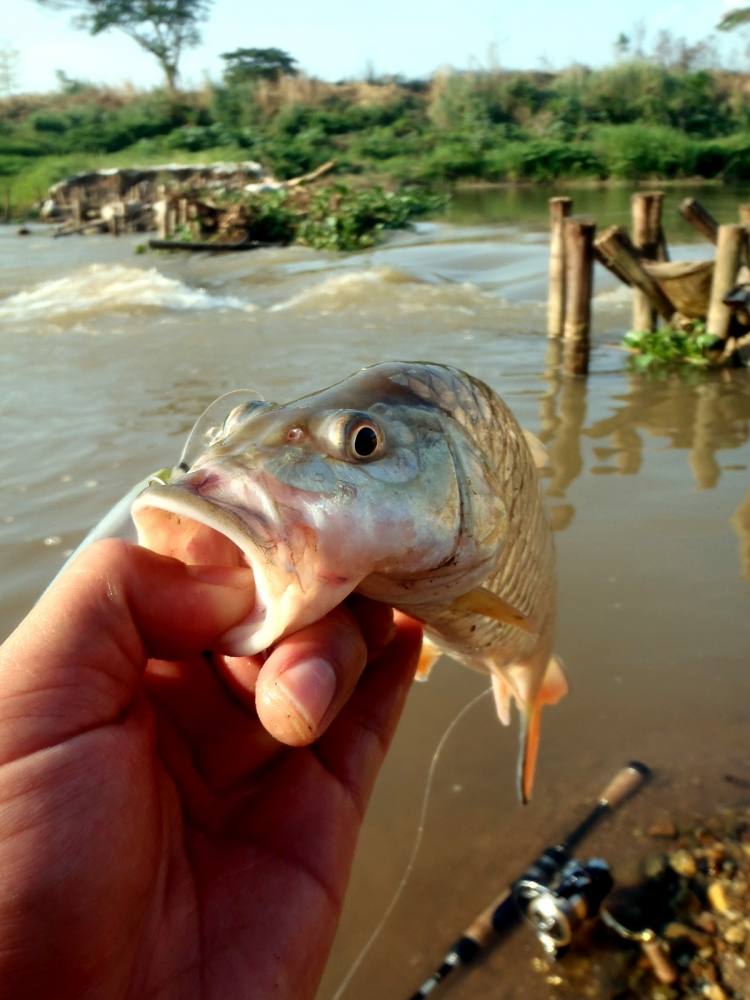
{"type": "Point", "coordinates": [410, 483]}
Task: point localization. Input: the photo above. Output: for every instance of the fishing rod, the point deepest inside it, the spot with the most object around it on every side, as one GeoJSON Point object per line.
{"type": "Point", "coordinates": [501, 915]}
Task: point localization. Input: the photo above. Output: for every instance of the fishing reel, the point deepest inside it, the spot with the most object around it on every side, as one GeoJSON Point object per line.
{"type": "Point", "coordinates": [558, 893]}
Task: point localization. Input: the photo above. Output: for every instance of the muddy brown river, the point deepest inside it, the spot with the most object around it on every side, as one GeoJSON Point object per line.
{"type": "Point", "coordinates": [108, 357]}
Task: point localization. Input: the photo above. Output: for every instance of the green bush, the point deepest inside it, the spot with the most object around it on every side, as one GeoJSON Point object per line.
{"type": "Point", "coordinates": [631, 152]}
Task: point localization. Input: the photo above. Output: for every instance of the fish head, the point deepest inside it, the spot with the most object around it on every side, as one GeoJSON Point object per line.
{"type": "Point", "coordinates": [354, 487]}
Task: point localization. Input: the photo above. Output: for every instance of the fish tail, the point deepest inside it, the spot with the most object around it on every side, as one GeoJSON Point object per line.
{"type": "Point", "coordinates": [554, 686]}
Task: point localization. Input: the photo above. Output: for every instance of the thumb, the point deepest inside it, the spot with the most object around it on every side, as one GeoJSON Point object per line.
{"type": "Point", "coordinates": [78, 657]}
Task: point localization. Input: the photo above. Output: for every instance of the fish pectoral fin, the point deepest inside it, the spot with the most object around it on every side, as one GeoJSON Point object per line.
{"type": "Point", "coordinates": [537, 449]}
{"type": "Point", "coordinates": [482, 601]}
{"type": "Point", "coordinates": [427, 658]}
{"type": "Point", "coordinates": [554, 687]}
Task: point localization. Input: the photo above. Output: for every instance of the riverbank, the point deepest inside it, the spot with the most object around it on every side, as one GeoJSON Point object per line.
{"type": "Point", "coordinates": [631, 122]}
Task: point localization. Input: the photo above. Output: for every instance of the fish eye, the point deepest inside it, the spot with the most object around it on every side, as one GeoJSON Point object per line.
{"type": "Point", "coordinates": [365, 440]}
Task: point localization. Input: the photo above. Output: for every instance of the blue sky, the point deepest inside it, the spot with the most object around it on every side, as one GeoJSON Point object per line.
{"type": "Point", "coordinates": [339, 38]}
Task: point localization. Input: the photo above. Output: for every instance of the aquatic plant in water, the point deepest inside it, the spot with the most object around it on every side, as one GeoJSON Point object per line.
{"type": "Point", "coordinates": [669, 347]}
{"type": "Point", "coordinates": [333, 217]}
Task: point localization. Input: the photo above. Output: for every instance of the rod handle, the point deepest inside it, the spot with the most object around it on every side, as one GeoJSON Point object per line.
{"type": "Point", "coordinates": [659, 961]}
{"type": "Point", "coordinates": [627, 780]}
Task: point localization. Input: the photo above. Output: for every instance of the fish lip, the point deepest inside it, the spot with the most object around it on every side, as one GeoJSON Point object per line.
{"type": "Point", "coordinates": [251, 532]}
{"type": "Point", "coordinates": [260, 525]}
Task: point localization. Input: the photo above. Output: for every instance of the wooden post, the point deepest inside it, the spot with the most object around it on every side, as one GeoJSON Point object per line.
{"type": "Point", "coordinates": [160, 218]}
{"type": "Point", "coordinates": [182, 212]}
{"type": "Point", "coordinates": [648, 239]}
{"type": "Point", "coordinates": [744, 215]}
{"type": "Point", "coordinates": [698, 216]}
{"type": "Point", "coordinates": [579, 274]}
{"type": "Point", "coordinates": [559, 210]}
{"type": "Point", "coordinates": [729, 249]}
{"type": "Point", "coordinates": [76, 210]}
{"type": "Point", "coordinates": [648, 231]}
{"type": "Point", "coordinates": [171, 217]}
{"type": "Point", "coordinates": [616, 252]}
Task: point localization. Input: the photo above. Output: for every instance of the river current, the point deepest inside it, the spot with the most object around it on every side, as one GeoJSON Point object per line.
{"type": "Point", "coordinates": [108, 357]}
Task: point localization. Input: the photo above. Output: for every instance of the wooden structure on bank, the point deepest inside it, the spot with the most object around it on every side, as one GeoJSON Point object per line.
{"type": "Point", "coordinates": [716, 292]}
{"type": "Point", "coordinates": [167, 198]}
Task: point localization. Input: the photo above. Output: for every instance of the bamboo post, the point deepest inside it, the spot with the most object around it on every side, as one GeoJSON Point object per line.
{"type": "Point", "coordinates": [559, 210]}
{"type": "Point", "coordinates": [729, 249]}
{"type": "Point", "coordinates": [744, 215]}
{"type": "Point", "coordinates": [616, 252]}
{"type": "Point", "coordinates": [76, 210]}
{"type": "Point", "coordinates": [578, 235]}
{"type": "Point", "coordinates": [648, 238]}
{"type": "Point", "coordinates": [700, 218]}
{"type": "Point", "coordinates": [182, 212]}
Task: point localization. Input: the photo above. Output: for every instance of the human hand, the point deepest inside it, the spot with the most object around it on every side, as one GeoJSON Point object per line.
{"type": "Point", "coordinates": [156, 840]}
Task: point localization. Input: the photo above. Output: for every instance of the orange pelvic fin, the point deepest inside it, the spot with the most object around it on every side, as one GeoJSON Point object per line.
{"type": "Point", "coordinates": [482, 601]}
{"type": "Point", "coordinates": [554, 686]}
{"type": "Point", "coordinates": [430, 653]}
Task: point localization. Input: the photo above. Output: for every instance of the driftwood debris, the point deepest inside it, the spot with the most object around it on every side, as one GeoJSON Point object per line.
{"type": "Point", "coordinates": [314, 175]}
{"type": "Point", "coordinates": [693, 212]}
{"type": "Point", "coordinates": [202, 246]}
{"type": "Point", "coordinates": [616, 251]}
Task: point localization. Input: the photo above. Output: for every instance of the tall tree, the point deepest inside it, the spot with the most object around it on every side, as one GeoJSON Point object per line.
{"type": "Point", "coordinates": [162, 27]}
{"type": "Point", "coordinates": [738, 17]}
{"type": "Point", "coordinates": [257, 64]}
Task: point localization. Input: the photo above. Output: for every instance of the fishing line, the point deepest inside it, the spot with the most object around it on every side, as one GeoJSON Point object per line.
{"type": "Point", "coordinates": [367, 947]}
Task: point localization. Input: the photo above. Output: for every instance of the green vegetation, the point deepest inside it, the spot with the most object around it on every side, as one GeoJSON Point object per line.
{"type": "Point", "coordinates": [670, 348]}
{"type": "Point", "coordinates": [640, 118]}
{"type": "Point", "coordinates": [334, 217]}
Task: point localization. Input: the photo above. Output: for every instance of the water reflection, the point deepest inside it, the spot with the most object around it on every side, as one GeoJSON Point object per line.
{"type": "Point", "coordinates": [700, 414]}
{"type": "Point", "coordinates": [740, 522]}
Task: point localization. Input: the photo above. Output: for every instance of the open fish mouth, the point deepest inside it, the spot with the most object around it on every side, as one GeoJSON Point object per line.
{"type": "Point", "coordinates": [175, 521]}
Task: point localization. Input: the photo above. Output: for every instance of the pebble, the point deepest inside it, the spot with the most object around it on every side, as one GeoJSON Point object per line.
{"type": "Point", "coordinates": [654, 866]}
{"type": "Point", "coordinates": [683, 863]}
{"type": "Point", "coordinates": [675, 930]}
{"type": "Point", "coordinates": [664, 828]}
{"type": "Point", "coordinates": [717, 897]}
{"type": "Point", "coordinates": [705, 922]}
{"type": "Point", "coordinates": [52, 540]}
{"type": "Point", "coordinates": [714, 992]}
{"type": "Point", "coordinates": [735, 934]}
